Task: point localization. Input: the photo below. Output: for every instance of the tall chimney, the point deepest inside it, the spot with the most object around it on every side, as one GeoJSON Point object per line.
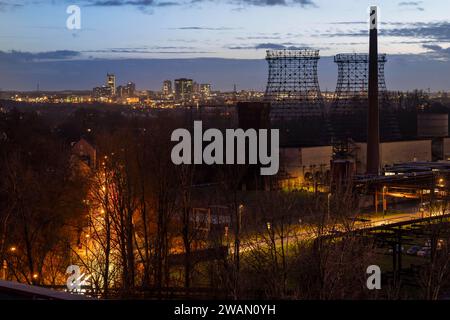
{"type": "Point", "coordinates": [373, 134]}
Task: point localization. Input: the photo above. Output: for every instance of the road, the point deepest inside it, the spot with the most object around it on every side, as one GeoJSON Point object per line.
{"type": "Point", "coordinates": [300, 232]}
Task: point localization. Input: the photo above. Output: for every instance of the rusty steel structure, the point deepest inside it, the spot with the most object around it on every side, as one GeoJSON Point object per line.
{"type": "Point", "coordinates": [353, 83]}
{"type": "Point", "coordinates": [292, 86]}
{"type": "Point", "coordinates": [349, 109]}
{"type": "Point", "coordinates": [297, 106]}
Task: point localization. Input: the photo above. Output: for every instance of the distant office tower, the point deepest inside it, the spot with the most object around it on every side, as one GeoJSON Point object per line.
{"type": "Point", "coordinates": [102, 92]}
{"type": "Point", "coordinates": [293, 86]}
{"type": "Point", "coordinates": [348, 112]}
{"type": "Point", "coordinates": [127, 90]}
{"type": "Point", "coordinates": [297, 107]}
{"type": "Point", "coordinates": [183, 89]}
{"type": "Point", "coordinates": [195, 87]}
{"type": "Point", "coordinates": [167, 88]}
{"type": "Point", "coordinates": [130, 89]}
{"type": "Point", "coordinates": [111, 83]}
{"type": "Point", "coordinates": [205, 89]}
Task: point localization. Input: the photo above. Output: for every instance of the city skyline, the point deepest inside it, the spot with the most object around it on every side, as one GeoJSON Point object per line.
{"type": "Point", "coordinates": [222, 42]}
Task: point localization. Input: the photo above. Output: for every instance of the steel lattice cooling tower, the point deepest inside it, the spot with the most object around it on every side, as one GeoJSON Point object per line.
{"type": "Point", "coordinates": [293, 87]}
{"type": "Point", "coordinates": [348, 111]}
{"type": "Point", "coordinates": [297, 107]}
{"type": "Point", "coordinates": [353, 80]}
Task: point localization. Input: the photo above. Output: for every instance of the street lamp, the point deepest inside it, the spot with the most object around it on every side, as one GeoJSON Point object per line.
{"type": "Point", "coordinates": [384, 201]}
{"type": "Point", "coordinates": [4, 269]}
{"type": "Point", "coordinates": [241, 209]}
{"type": "Point", "coordinates": [329, 205]}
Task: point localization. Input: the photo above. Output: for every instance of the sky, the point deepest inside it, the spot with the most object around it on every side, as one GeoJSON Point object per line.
{"type": "Point", "coordinates": [218, 41]}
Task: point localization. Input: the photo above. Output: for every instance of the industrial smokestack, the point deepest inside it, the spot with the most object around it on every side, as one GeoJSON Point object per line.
{"type": "Point", "coordinates": [373, 134]}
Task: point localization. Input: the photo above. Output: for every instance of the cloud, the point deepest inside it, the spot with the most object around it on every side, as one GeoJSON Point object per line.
{"type": "Point", "coordinates": [432, 30]}
{"type": "Point", "coordinates": [438, 31]}
{"type": "Point", "coordinates": [259, 38]}
{"type": "Point", "coordinates": [154, 3]}
{"type": "Point", "coordinates": [437, 51]}
{"type": "Point", "coordinates": [203, 28]}
{"type": "Point", "coordinates": [412, 4]}
{"type": "Point", "coordinates": [148, 6]}
{"type": "Point", "coordinates": [137, 3]}
{"type": "Point", "coordinates": [268, 46]}
{"type": "Point", "coordinates": [149, 50]}
{"type": "Point", "coordinates": [349, 22]}
{"type": "Point", "coordinates": [168, 4]}
{"type": "Point", "coordinates": [4, 5]}
{"type": "Point", "coordinates": [21, 56]}
{"type": "Point", "coordinates": [145, 6]}
{"type": "Point", "coordinates": [302, 3]}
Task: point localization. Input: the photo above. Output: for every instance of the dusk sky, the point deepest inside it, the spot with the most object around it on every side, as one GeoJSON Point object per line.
{"type": "Point", "coordinates": [125, 36]}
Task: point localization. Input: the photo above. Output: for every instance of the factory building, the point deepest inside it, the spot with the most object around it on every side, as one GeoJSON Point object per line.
{"type": "Point", "coordinates": [310, 167]}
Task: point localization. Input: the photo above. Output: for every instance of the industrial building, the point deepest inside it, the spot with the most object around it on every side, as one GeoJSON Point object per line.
{"type": "Point", "coordinates": [359, 133]}
{"type": "Point", "coordinates": [309, 166]}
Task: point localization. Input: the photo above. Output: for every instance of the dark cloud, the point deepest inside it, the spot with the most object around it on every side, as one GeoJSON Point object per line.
{"type": "Point", "coordinates": [153, 3]}
{"type": "Point", "coordinates": [149, 50]}
{"type": "Point", "coordinates": [5, 5]}
{"type": "Point", "coordinates": [20, 56]}
{"type": "Point", "coordinates": [439, 31]}
{"type": "Point", "coordinates": [203, 28]}
{"type": "Point", "coordinates": [302, 3]}
{"type": "Point", "coordinates": [168, 4]}
{"type": "Point", "coordinates": [263, 3]}
{"type": "Point", "coordinates": [349, 22]}
{"type": "Point", "coordinates": [145, 6]}
{"type": "Point", "coordinates": [410, 3]}
{"type": "Point", "coordinates": [148, 6]}
{"type": "Point", "coordinates": [431, 30]}
{"type": "Point", "coordinates": [268, 46]}
{"type": "Point", "coordinates": [274, 37]}
{"type": "Point", "coordinates": [138, 3]}
{"type": "Point", "coordinates": [437, 51]}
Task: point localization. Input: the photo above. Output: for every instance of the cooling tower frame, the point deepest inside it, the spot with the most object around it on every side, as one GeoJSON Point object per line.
{"type": "Point", "coordinates": [353, 82]}
{"type": "Point", "coordinates": [293, 85]}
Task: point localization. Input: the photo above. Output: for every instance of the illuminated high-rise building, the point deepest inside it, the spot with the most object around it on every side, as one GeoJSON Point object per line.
{"type": "Point", "coordinates": [195, 87]}
{"type": "Point", "coordinates": [205, 89]}
{"type": "Point", "coordinates": [183, 88]}
{"type": "Point", "coordinates": [111, 83]}
{"type": "Point", "coordinates": [102, 92]}
{"type": "Point", "coordinates": [167, 88]}
{"type": "Point", "coordinates": [127, 90]}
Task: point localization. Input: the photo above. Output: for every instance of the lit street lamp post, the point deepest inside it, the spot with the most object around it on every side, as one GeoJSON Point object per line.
{"type": "Point", "coordinates": [328, 205]}
{"type": "Point", "coordinates": [4, 269]}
